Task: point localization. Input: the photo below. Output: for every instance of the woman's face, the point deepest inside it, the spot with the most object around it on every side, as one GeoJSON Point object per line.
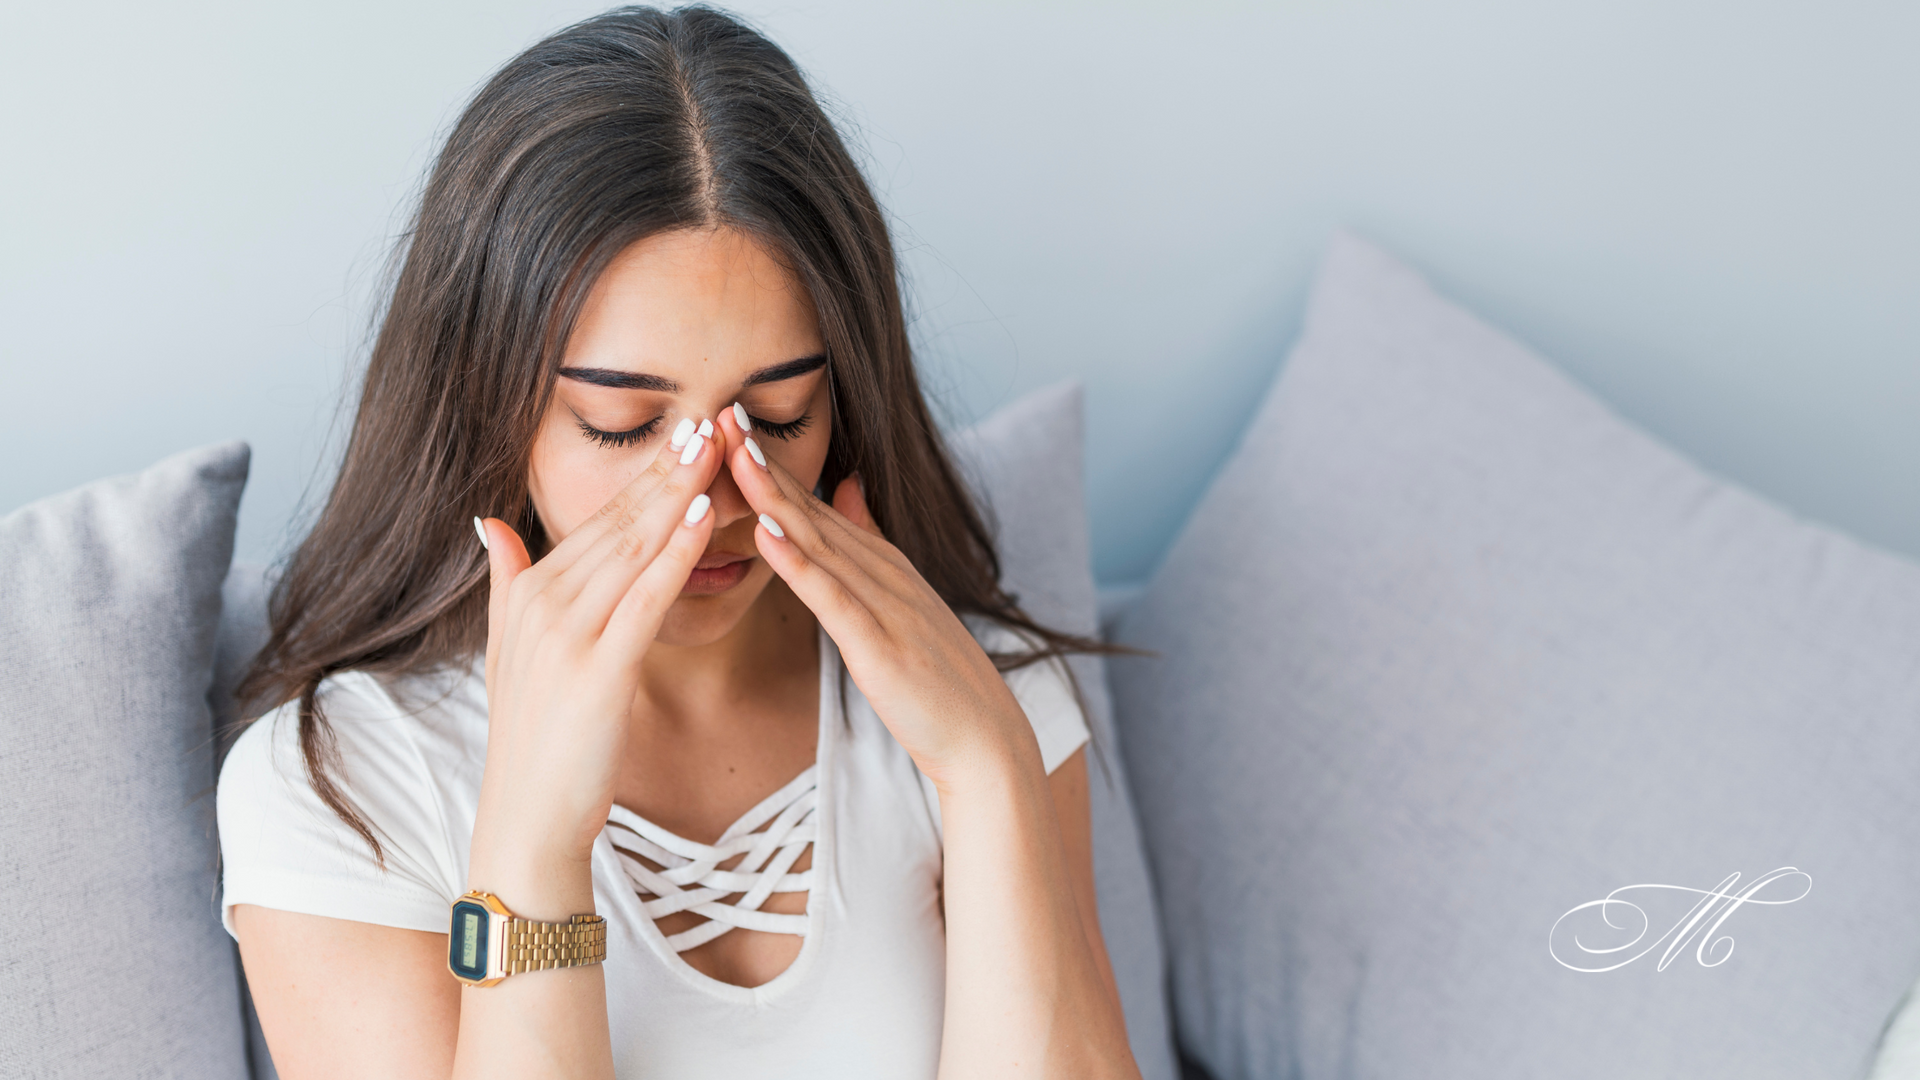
{"type": "Point", "coordinates": [682, 325]}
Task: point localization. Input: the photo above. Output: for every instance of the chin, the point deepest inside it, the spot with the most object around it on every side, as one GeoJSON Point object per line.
{"type": "Point", "coordinates": [708, 610]}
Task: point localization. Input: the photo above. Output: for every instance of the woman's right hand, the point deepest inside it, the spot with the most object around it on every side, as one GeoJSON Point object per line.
{"type": "Point", "coordinates": [564, 641]}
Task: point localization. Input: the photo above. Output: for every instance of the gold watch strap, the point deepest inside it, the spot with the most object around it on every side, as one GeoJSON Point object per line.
{"type": "Point", "coordinates": [537, 946]}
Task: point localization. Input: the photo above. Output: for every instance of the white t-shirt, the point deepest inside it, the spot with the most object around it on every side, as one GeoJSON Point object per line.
{"type": "Point", "coordinates": [863, 998]}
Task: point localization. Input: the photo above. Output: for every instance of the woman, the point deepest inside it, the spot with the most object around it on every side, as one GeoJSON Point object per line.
{"type": "Point", "coordinates": [704, 773]}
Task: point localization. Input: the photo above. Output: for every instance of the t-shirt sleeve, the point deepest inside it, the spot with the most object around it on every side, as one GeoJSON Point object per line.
{"type": "Point", "coordinates": [1046, 695]}
{"type": "Point", "coordinates": [282, 847]}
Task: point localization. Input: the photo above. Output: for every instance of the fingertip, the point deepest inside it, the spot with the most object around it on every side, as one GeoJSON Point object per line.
{"type": "Point", "coordinates": [773, 527]}
{"type": "Point", "coordinates": [681, 433]}
{"type": "Point", "coordinates": [850, 499]}
{"type": "Point", "coordinates": [697, 510]}
{"type": "Point", "coordinates": [692, 452]}
{"type": "Point", "coordinates": [506, 553]}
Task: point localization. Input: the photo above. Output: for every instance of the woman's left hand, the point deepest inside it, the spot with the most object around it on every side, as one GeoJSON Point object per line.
{"type": "Point", "coordinates": [923, 672]}
{"type": "Point", "coordinates": [1025, 993]}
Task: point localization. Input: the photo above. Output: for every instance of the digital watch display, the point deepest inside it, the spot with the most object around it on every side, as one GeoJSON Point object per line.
{"type": "Point", "coordinates": [487, 943]}
{"type": "Point", "coordinates": [467, 949]}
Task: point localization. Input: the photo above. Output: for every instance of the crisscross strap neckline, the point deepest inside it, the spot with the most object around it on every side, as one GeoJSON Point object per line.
{"type": "Point", "coordinates": [690, 878]}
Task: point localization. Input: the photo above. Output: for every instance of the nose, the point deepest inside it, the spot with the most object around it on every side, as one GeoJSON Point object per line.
{"type": "Point", "coordinates": [729, 505]}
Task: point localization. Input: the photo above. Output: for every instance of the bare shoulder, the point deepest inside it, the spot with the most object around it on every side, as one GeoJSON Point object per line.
{"type": "Point", "coordinates": [342, 998]}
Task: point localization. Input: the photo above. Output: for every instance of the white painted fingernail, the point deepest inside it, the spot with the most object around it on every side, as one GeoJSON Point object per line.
{"type": "Point", "coordinates": [706, 429]}
{"type": "Point", "coordinates": [482, 530]}
{"type": "Point", "coordinates": [681, 433]}
{"type": "Point", "coordinates": [772, 526]}
{"type": "Point", "coordinates": [692, 451]}
{"type": "Point", "coordinates": [740, 417]}
{"type": "Point", "coordinates": [759, 458]}
{"type": "Point", "coordinates": [699, 509]}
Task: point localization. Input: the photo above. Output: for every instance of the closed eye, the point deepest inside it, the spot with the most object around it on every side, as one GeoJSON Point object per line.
{"type": "Point", "coordinates": [613, 440]}
{"type": "Point", "coordinates": [782, 431]}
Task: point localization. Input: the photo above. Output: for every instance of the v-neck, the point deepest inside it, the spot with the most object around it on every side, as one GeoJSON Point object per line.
{"type": "Point", "coordinates": [685, 875]}
{"type": "Point", "coordinates": [819, 775]}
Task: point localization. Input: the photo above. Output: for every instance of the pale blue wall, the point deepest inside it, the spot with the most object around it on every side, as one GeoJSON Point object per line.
{"type": "Point", "coordinates": [1704, 210]}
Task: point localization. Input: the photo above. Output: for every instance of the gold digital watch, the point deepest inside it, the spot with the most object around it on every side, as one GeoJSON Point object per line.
{"type": "Point", "coordinates": [489, 943]}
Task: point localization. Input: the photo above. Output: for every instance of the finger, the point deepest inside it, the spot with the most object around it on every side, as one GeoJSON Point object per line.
{"type": "Point", "coordinates": [636, 618]}
{"type": "Point", "coordinates": [845, 616]}
{"type": "Point", "coordinates": [819, 530]}
{"type": "Point", "coordinates": [622, 509]}
{"type": "Point", "coordinates": [846, 542]}
{"type": "Point", "coordinates": [841, 567]}
{"type": "Point", "coordinates": [596, 583]}
{"type": "Point", "coordinates": [506, 560]}
{"type": "Point", "coordinates": [755, 472]}
{"type": "Point", "coordinates": [781, 502]}
{"type": "Point", "coordinates": [847, 587]}
{"type": "Point", "coordinates": [850, 499]}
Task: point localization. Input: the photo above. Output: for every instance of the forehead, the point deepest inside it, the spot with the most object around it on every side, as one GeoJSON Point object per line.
{"type": "Point", "coordinates": [693, 305]}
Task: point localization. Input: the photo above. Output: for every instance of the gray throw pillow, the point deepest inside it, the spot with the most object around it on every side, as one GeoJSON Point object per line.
{"type": "Point", "coordinates": [114, 963]}
{"type": "Point", "coordinates": [1448, 651]}
{"type": "Point", "coordinates": [1026, 461]}
{"type": "Point", "coordinates": [243, 632]}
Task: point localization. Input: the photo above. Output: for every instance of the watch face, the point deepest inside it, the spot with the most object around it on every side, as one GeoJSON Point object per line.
{"type": "Point", "coordinates": [467, 943]}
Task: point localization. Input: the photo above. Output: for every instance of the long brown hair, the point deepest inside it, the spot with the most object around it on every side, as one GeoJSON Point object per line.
{"type": "Point", "coordinates": [625, 125]}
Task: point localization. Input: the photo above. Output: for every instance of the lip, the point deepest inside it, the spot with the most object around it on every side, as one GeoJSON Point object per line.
{"type": "Point", "coordinates": [716, 572]}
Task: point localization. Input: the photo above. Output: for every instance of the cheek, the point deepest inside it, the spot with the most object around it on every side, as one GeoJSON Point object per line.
{"type": "Point", "coordinates": [803, 457]}
{"type": "Point", "coordinates": [806, 456]}
{"type": "Point", "coordinates": [570, 478]}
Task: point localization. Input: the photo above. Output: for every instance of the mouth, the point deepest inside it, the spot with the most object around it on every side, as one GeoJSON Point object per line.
{"type": "Point", "coordinates": [716, 572]}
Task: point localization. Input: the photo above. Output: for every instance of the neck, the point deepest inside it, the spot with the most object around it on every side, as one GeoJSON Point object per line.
{"type": "Point", "coordinates": [769, 653]}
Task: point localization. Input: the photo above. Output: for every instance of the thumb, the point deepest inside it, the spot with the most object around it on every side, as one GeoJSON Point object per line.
{"type": "Point", "coordinates": [850, 499]}
{"type": "Point", "coordinates": [506, 558]}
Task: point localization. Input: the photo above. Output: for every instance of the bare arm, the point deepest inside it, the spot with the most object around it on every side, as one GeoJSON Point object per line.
{"type": "Point", "coordinates": [1074, 811]}
{"type": "Point", "coordinates": [546, 1024]}
{"type": "Point", "coordinates": [340, 998]}
{"type": "Point", "coordinates": [1029, 992]}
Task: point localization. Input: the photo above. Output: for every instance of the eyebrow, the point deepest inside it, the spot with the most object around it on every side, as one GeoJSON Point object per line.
{"type": "Point", "coordinates": [788, 370]}
{"type": "Point", "coordinates": [634, 380]}
{"type": "Point", "coordinates": [620, 380]}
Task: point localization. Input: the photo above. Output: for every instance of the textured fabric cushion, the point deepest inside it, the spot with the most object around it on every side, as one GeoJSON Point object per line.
{"type": "Point", "coordinates": [1449, 650]}
{"type": "Point", "coordinates": [1899, 1051]}
{"type": "Point", "coordinates": [243, 631]}
{"type": "Point", "coordinates": [1027, 461]}
{"type": "Point", "coordinates": [109, 595]}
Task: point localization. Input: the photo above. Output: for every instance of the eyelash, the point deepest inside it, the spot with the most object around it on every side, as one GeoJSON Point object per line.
{"type": "Point", "coordinates": [615, 440]}
{"type": "Point", "coordinates": [782, 431]}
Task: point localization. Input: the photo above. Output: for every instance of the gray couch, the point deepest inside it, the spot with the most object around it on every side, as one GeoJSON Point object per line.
{"type": "Point", "coordinates": [1447, 656]}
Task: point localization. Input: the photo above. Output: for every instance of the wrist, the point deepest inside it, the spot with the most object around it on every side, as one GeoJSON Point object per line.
{"type": "Point", "coordinates": [995, 765]}
{"type": "Point", "coordinates": [533, 876]}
